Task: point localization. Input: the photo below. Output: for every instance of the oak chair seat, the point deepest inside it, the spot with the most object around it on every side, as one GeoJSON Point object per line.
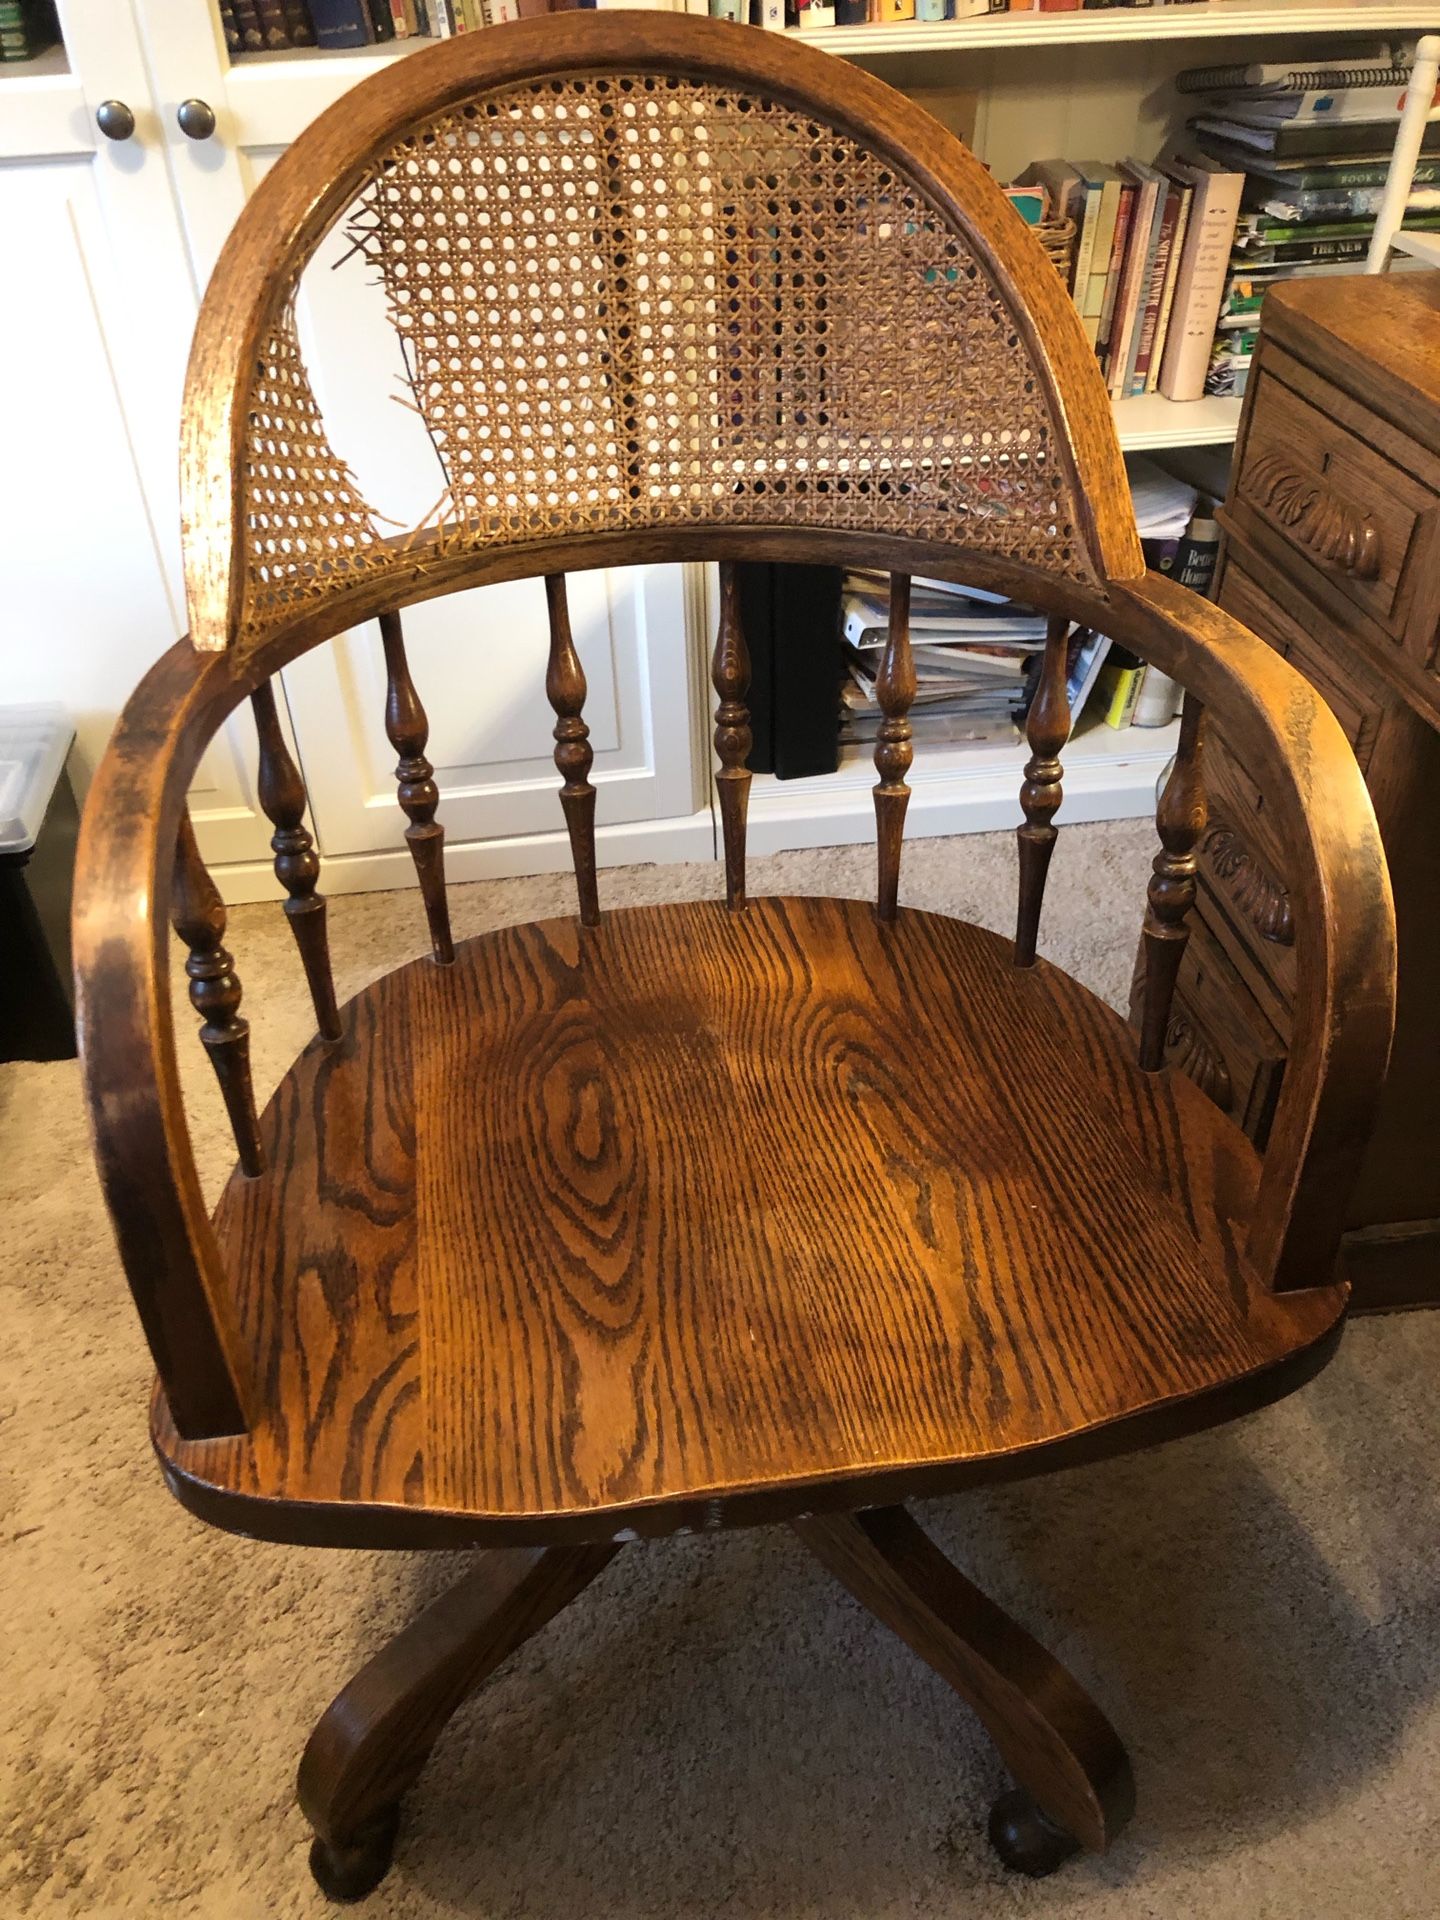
{"type": "Point", "coordinates": [689, 1214]}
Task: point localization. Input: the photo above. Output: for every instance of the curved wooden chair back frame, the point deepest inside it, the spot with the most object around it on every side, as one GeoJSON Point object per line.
{"type": "Point", "coordinates": [888, 454]}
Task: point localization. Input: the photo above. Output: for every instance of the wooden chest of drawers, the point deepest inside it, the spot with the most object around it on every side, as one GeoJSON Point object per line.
{"type": "Point", "coordinates": [1332, 555]}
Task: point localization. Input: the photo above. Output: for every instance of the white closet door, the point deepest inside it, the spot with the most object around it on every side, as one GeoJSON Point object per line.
{"type": "Point", "coordinates": [478, 658]}
{"type": "Point", "coordinates": [95, 332]}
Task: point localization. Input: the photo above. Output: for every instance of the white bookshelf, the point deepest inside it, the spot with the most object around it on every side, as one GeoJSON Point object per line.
{"type": "Point", "coordinates": [1150, 422]}
{"type": "Point", "coordinates": [971, 787]}
{"type": "Point", "coordinates": [1206, 20]}
{"type": "Point", "coordinates": [42, 108]}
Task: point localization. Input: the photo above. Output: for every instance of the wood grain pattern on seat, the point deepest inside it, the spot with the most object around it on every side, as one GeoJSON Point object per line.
{"type": "Point", "coordinates": [615, 1227]}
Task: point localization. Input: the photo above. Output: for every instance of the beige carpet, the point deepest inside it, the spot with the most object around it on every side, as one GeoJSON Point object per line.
{"type": "Point", "coordinates": [714, 1729]}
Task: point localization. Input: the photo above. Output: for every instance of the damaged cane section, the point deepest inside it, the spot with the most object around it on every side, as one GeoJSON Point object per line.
{"type": "Point", "coordinates": [637, 301]}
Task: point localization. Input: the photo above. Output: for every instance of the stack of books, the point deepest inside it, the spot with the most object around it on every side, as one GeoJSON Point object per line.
{"type": "Point", "coordinates": [1178, 536]}
{"type": "Point", "coordinates": [972, 649]}
{"type": "Point", "coordinates": [1304, 151]}
{"type": "Point", "coordinates": [27, 27]}
{"type": "Point", "coordinates": [1148, 270]}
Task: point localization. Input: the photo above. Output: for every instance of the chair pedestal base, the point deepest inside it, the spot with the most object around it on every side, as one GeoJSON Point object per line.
{"type": "Point", "coordinates": [373, 1741]}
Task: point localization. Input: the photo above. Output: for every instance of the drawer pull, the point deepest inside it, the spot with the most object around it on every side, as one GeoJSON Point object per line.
{"type": "Point", "coordinates": [1258, 894]}
{"type": "Point", "coordinates": [1334, 531]}
{"type": "Point", "coordinates": [1187, 1048]}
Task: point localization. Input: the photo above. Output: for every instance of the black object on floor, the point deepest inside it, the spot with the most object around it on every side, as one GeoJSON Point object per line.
{"type": "Point", "coordinates": [38, 825]}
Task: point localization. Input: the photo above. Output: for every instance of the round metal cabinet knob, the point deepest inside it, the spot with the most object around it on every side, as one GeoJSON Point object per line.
{"type": "Point", "coordinates": [197, 120]}
{"type": "Point", "coordinates": [115, 120]}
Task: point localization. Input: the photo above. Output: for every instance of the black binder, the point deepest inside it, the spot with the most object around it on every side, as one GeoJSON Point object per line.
{"type": "Point", "coordinates": [791, 618]}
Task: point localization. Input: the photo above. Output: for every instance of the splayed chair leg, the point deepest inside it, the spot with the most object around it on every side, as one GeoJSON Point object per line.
{"type": "Point", "coordinates": [1075, 1787]}
{"type": "Point", "coordinates": [373, 1740]}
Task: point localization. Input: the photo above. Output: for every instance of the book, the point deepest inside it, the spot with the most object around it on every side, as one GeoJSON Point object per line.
{"type": "Point", "coordinates": [1124, 214]}
{"type": "Point", "coordinates": [252, 34]}
{"type": "Point", "coordinates": [1186, 195]}
{"type": "Point", "coordinates": [1266, 174]}
{"type": "Point", "coordinates": [1117, 686]}
{"type": "Point", "coordinates": [297, 19]}
{"type": "Point", "coordinates": [1341, 203]}
{"type": "Point", "coordinates": [1262, 77]}
{"type": "Point", "coordinates": [1139, 253]}
{"type": "Point", "coordinates": [1257, 230]}
{"type": "Point", "coordinates": [1328, 105]}
{"type": "Point", "coordinates": [1200, 282]}
{"type": "Point", "coordinates": [1198, 555]}
{"type": "Point", "coordinates": [1308, 253]}
{"type": "Point", "coordinates": [1085, 656]}
{"type": "Point", "coordinates": [342, 23]}
{"type": "Point", "coordinates": [866, 624]}
{"type": "Point", "coordinates": [729, 10]}
{"type": "Point", "coordinates": [382, 27]}
{"type": "Point", "coordinates": [1103, 195]}
{"type": "Point", "coordinates": [230, 27]}
{"type": "Point", "coordinates": [274, 29]}
{"type": "Point", "coordinates": [1154, 291]}
{"type": "Point", "coordinates": [1292, 142]}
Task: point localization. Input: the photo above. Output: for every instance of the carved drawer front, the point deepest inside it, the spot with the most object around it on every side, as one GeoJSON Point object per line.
{"type": "Point", "coordinates": [1242, 871]}
{"type": "Point", "coordinates": [1357, 710]}
{"type": "Point", "coordinates": [1219, 1036]}
{"type": "Point", "coordinates": [1344, 510]}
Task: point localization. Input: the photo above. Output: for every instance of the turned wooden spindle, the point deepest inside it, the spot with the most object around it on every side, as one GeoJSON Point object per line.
{"type": "Point", "coordinates": [574, 756]}
{"type": "Point", "coordinates": [1180, 821]}
{"type": "Point", "coordinates": [297, 865]}
{"type": "Point", "coordinates": [1047, 728]}
{"type": "Point", "coordinates": [730, 677]}
{"type": "Point", "coordinates": [408, 730]}
{"type": "Point", "coordinates": [197, 914]}
{"type": "Point", "coordinates": [894, 690]}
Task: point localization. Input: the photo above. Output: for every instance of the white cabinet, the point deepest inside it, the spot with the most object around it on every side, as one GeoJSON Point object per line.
{"type": "Point", "coordinates": [94, 329]}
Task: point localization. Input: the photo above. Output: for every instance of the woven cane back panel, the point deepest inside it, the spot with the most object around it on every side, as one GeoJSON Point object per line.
{"type": "Point", "coordinates": [637, 301]}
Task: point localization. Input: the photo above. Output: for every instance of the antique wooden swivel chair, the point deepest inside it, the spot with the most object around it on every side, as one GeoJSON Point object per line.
{"type": "Point", "coordinates": [713, 1214]}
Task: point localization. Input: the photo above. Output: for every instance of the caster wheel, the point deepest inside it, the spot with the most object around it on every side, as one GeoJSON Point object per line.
{"type": "Point", "coordinates": [1027, 1840]}
{"type": "Point", "coordinates": [349, 1870]}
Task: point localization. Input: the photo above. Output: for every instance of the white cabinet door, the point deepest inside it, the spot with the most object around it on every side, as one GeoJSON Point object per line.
{"type": "Point", "coordinates": [95, 331]}
{"type": "Point", "coordinates": [478, 658]}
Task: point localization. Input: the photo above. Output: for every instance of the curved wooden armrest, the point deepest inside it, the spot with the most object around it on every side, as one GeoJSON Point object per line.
{"type": "Point", "coordinates": [1344, 916]}
{"type": "Point", "coordinates": [127, 1047]}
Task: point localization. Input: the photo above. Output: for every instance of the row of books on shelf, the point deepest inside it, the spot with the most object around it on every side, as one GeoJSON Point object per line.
{"type": "Point", "coordinates": [270, 26]}
{"type": "Point", "coordinates": [27, 27]}
{"type": "Point", "coordinates": [977, 655]}
{"type": "Point", "coordinates": [1281, 173]}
